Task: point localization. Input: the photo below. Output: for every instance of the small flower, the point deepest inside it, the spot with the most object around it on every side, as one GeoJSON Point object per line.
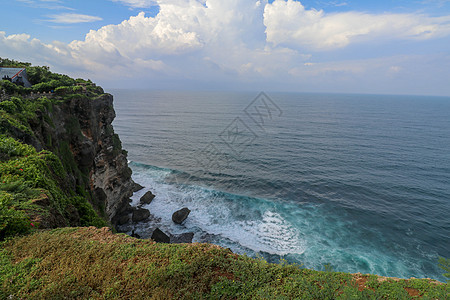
{"type": "Point", "coordinates": [32, 224]}
{"type": "Point", "coordinates": [21, 170]}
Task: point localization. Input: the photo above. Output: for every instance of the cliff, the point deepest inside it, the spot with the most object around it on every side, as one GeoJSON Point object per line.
{"type": "Point", "coordinates": [61, 163]}
{"type": "Point", "coordinates": [83, 137]}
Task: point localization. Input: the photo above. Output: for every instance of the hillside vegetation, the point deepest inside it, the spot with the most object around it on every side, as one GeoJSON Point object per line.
{"type": "Point", "coordinates": [91, 263]}
{"type": "Point", "coordinates": [35, 191]}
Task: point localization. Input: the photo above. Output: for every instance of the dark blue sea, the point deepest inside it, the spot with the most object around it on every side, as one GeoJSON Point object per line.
{"type": "Point", "coordinates": [360, 182]}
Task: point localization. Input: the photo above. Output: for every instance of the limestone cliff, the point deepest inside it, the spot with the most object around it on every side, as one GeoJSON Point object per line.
{"type": "Point", "coordinates": [79, 130]}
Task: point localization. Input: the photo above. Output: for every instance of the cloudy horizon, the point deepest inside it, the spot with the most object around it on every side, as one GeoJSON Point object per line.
{"type": "Point", "coordinates": [391, 47]}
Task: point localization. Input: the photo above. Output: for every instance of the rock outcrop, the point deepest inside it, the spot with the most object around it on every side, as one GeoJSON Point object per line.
{"type": "Point", "coordinates": [79, 130]}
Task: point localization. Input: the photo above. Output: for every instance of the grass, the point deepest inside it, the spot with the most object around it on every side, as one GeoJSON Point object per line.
{"type": "Point", "coordinates": [91, 263]}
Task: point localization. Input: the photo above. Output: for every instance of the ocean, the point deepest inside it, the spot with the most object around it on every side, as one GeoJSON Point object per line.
{"type": "Point", "coordinates": [358, 183]}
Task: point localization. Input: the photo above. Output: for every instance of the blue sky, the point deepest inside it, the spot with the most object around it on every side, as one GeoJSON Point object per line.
{"type": "Point", "coordinates": [385, 47]}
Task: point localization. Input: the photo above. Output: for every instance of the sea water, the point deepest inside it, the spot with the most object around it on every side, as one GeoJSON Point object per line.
{"type": "Point", "coordinates": [358, 182]}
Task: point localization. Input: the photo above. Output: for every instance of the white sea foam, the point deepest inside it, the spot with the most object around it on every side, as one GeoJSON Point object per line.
{"type": "Point", "coordinates": [220, 214]}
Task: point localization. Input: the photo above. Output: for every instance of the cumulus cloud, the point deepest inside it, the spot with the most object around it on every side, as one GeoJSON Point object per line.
{"type": "Point", "coordinates": [237, 41]}
{"type": "Point", "coordinates": [289, 23]}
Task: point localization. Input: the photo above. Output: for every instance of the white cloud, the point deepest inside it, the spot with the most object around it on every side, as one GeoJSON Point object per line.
{"type": "Point", "coordinates": [136, 3]}
{"type": "Point", "coordinates": [47, 4]}
{"type": "Point", "coordinates": [71, 18]}
{"type": "Point", "coordinates": [238, 42]}
{"type": "Point", "coordinates": [289, 23]}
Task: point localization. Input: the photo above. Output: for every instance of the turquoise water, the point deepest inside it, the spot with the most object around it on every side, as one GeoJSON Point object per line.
{"type": "Point", "coordinates": [361, 182]}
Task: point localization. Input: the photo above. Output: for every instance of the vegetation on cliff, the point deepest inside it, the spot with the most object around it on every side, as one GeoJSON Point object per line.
{"type": "Point", "coordinates": [115, 266]}
{"type": "Point", "coordinates": [35, 191]}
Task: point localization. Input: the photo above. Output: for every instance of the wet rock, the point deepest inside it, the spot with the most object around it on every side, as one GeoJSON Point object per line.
{"type": "Point", "coordinates": [160, 237]}
{"type": "Point", "coordinates": [147, 198]}
{"type": "Point", "coordinates": [140, 214]}
{"type": "Point", "coordinates": [182, 238]}
{"type": "Point", "coordinates": [124, 220]}
{"type": "Point", "coordinates": [137, 187]}
{"type": "Point", "coordinates": [180, 215]}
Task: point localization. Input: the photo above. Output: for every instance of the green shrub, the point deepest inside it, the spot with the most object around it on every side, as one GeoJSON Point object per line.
{"type": "Point", "coordinates": [444, 264]}
{"type": "Point", "coordinates": [13, 148]}
{"type": "Point", "coordinates": [77, 89]}
{"type": "Point", "coordinates": [12, 221]}
{"type": "Point", "coordinates": [62, 90]}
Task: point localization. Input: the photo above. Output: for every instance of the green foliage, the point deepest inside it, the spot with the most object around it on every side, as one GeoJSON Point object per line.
{"type": "Point", "coordinates": [12, 221]}
{"type": "Point", "coordinates": [11, 63]}
{"type": "Point", "coordinates": [444, 264]}
{"type": "Point", "coordinates": [77, 89]}
{"type": "Point", "coordinates": [27, 176]}
{"type": "Point", "coordinates": [17, 113]}
{"type": "Point", "coordinates": [53, 84]}
{"type": "Point", "coordinates": [328, 267]}
{"type": "Point", "coordinates": [100, 265]}
{"type": "Point", "coordinates": [23, 166]}
{"type": "Point", "coordinates": [46, 80]}
{"type": "Point", "coordinates": [11, 88]}
{"type": "Point", "coordinates": [40, 180]}
{"type": "Point", "coordinates": [43, 80]}
{"type": "Point", "coordinates": [38, 74]}
{"type": "Point", "coordinates": [12, 148]}
{"type": "Point", "coordinates": [88, 216]}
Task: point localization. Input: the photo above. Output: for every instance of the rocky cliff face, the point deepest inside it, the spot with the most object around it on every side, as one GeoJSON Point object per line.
{"type": "Point", "coordinates": [79, 130]}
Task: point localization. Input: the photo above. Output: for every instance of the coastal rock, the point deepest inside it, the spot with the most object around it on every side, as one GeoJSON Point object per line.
{"type": "Point", "coordinates": [147, 198]}
{"type": "Point", "coordinates": [137, 187]}
{"type": "Point", "coordinates": [180, 215]}
{"type": "Point", "coordinates": [124, 220]}
{"type": "Point", "coordinates": [140, 214]}
{"type": "Point", "coordinates": [160, 237]}
{"type": "Point", "coordinates": [185, 238]}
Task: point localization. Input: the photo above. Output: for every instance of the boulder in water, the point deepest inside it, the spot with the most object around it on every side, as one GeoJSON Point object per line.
{"type": "Point", "coordinates": [140, 214]}
{"type": "Point", "coordinates": [160, 237]}
{"type": "Point", "coordinates": [184, 238]}
{"type": "Point", "coordinates": [180, 215]}
{"type": "Point", "coordinates": [147, 198]}
{"type": "Point", "coordinates": [137, 187]}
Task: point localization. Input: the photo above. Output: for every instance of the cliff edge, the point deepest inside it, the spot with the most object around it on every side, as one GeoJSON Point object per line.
{"type": "Point", "coordinates": [61, 164]}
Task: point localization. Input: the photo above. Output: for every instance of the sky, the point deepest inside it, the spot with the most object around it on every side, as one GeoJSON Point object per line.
{"type": "Point", "coordinates": [342, 46]}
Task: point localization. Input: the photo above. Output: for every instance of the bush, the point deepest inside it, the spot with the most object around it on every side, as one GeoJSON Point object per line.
{"type": "Point", "coordinates": [444, 264]}
{"type": "Point", "coordinates": [13, 148]}
{"type": "Point", "coordinates": [12, 221]}
{"type": "Point", "coordinates": [62, 90]}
